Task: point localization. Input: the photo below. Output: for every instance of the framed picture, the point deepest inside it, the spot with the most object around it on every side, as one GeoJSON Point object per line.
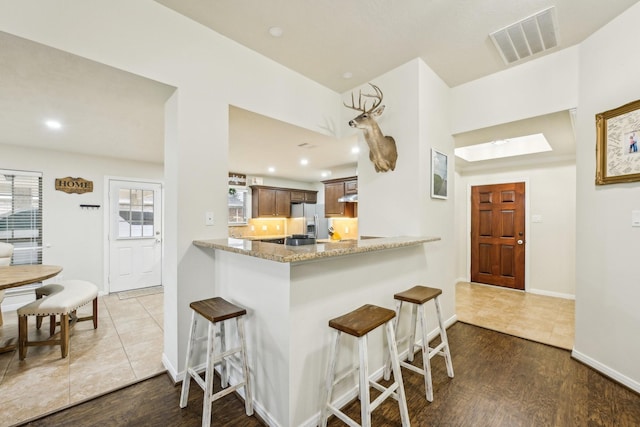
{"type": "Point", "coordinates": [617, 146]}
{"type": "Point", "coordinates": [439, 170]}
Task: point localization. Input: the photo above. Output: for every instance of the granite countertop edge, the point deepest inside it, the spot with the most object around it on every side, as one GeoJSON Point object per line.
{"type": "Point", "coordinates": [292, 254]}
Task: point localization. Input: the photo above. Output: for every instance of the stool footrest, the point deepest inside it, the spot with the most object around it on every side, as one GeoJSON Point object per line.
{"type": "Point", "coordinates": [437, 350]}
{"type": "Point", "coordinates": [411, 367]}
{"type": "Point", "coordinates": [226, 391]}
{"type": "Point", "coordinates": [343, 417]}
{"type": "Point", "coordinates": [385, 392]}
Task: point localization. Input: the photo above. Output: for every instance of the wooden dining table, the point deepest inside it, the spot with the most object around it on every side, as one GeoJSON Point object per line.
{"type": "Point", "coordinates": [19, 275]}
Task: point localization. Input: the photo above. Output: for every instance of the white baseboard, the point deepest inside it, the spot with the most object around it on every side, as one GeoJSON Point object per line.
{"type": "Point", "coordinates": [605, 370]}
{"type": "Point", "coordinates": [551, 294]}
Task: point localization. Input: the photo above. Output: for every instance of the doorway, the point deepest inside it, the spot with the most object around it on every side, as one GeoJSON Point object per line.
{"type": "Point", "coordinates": [135, 235]}
{"type": "Point", "coordinates": [498, 234]}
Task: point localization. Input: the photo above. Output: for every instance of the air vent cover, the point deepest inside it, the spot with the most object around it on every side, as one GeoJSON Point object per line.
{"type": "Point", "coordinates": [527, 37]}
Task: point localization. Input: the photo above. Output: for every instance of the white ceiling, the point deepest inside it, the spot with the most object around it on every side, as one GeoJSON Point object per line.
{"type": "Point", "coordinates": [104, 111]}
{"type": "Point", "coordinates": [109, 112]}
{"type": "Point", "coordinates": [324, 39]}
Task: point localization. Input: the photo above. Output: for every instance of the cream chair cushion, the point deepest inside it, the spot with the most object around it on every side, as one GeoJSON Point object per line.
{"type": "Point", "coordinates": [6, 251]}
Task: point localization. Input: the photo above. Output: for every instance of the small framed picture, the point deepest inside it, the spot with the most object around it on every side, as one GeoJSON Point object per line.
{"type": "Point", "coordinates": [439, 170]}
{"type": "Point", "coordinates": [617, 155]}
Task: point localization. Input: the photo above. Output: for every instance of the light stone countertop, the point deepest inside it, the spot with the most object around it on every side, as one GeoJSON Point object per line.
{"type": "Point", "coordinates": [284, 253]}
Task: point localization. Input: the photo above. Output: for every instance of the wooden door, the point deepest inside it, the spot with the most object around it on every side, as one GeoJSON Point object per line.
{"type": "Point", "coordinates": [497, 234]}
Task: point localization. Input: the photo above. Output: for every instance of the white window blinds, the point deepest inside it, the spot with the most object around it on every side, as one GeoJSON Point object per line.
{"type": "Point", "coordinates": [21, 214]}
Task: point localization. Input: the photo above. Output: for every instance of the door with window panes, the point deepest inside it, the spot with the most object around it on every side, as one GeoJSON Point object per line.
{"type": "Point", "coordinates": [135, 235]}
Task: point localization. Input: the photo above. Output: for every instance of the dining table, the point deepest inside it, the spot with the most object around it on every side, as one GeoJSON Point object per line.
{"type": "Point", "coordinates": [19, 275]}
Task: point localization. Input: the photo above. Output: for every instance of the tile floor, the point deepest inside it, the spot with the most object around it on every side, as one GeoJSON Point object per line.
{"type": "Point", "coordinates": [126, 347]}
{"type": "Point", "coordinates": [539, 318]}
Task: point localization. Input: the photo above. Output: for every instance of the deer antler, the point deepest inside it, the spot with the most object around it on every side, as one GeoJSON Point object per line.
{"type": "Point", "coordinates": [363, 106]}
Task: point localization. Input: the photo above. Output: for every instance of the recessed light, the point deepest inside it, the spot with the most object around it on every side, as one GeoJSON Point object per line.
{"type": "Point", "coordinates": [325, 174]}
{"type": "Point", "coordinates": [347, 75]}
{"type": "Point", "coordinates": [271, 169]}
{"type": "Point", "coordinates": [53, 124]}
{"type": "Point", "coordinates": [304, 162]}
{"type": "Point", "coordinates": [276, 31]}
{"type": "Point", "coordinates": [355, 150]}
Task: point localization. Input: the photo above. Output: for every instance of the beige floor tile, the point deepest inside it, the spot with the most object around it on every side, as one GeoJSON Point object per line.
{"type": "Point", "coordinates": [126, 346]}
{"type": "Point", "coordinates": [536, 317]}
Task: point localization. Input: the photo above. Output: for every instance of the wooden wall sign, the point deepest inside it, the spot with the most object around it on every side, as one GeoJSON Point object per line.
{"type": "Point", "coordinates": [74, 185]}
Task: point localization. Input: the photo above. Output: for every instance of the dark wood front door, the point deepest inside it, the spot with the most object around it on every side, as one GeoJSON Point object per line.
{"type": "Point", "coordinates": [497, 234]}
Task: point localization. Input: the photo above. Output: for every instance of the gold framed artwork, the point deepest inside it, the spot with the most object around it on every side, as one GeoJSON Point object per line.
{"type": "Point", "coordinates": [617, 145]}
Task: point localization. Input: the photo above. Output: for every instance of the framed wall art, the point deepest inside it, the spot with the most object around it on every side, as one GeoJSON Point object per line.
{"type": "Point", "coordinates": [617, 146]}
{"type": "Point", "coordinates": [439, 171]}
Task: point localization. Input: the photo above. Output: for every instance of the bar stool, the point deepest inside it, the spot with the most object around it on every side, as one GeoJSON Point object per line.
{"type": "Point", "coordinates": [418, 296]}
{"type": "Point", "coordinates": [359, 323]}
{"type": "Point", "coordinates": [217, 311]}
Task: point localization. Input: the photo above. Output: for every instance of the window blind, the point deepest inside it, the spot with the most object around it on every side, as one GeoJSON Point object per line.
{"type": "Point", "coordinates": [21, 214]}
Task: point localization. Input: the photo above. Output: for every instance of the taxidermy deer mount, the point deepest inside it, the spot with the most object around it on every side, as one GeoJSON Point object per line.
{"type": "Point", "coordinates": [382, 149]}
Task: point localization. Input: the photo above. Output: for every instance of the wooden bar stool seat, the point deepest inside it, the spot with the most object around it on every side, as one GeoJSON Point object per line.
{"type": "Point", "coordinates": [418, 296]}
{"type": "Point", "coordinates": [359, 323]}
{"type": "Point", "coordinates": [217, 311]}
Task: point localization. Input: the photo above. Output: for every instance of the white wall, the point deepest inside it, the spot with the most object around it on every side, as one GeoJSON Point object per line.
{"type": "Point", "coordinates": [74, 237]}
{"type": "Point", "coordinates": [550, 193]}
{"type": "Point", "coordinates": [398, 202]}
{"type": "Point", "coordinates": [210, 72]}
{"type": "Point", "coordinates": [535, 88]}
{"type": "Point", "coordinates": [608, 291]}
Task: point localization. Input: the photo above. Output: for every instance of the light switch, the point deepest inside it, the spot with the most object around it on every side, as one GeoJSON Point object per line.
{"type": "Point", "coordinates": [536, 218]}
{"type": "Point", "coordinates": [635, 218]}
{"type": "Point", "coordinates": [208, 218]}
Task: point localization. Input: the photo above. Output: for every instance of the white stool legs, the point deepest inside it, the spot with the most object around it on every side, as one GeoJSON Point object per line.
{"type": "Point", "coordinates": [217, 320]}
{"type": "Point", "coordinates": [355, 324]}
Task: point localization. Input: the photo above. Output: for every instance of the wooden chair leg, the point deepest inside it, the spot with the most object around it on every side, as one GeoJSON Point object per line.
{"type": "Point", "coordinates": [95, 313]}
{"type": "Point", "coordinates": [52, 325]}
{"type": "Point", "coordinates": [64, 335]}
{"type": "Point", "coordinates": [22, 336]}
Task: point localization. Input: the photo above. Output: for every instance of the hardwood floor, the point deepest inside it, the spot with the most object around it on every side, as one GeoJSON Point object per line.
{"type": "Point", "coordinates": [501, 380]}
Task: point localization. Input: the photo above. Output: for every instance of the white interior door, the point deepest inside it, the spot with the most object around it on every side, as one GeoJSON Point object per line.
{"type": "Point", "coordinates": [135, 235]}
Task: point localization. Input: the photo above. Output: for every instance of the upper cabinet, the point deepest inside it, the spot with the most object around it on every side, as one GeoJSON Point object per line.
{"type": "Point", "coordinates": [304, 196]}
{"type": "Point", "coordinates": [333, 190]}
{"type": "Point", "coordinates": [351, 186]}
{"type": "Point", "coordinates": [270, 202]}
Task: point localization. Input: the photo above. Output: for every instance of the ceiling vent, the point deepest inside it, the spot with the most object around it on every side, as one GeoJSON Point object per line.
{"type": "Point", "coordinates": [527, 37]}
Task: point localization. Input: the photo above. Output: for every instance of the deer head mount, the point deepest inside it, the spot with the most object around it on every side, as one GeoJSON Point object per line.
{"type": "Point", "coordinates": [382, 149]}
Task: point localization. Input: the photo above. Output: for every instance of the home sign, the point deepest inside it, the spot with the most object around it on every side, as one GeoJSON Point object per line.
{"type": "Point", "coordinates": [74, 185]}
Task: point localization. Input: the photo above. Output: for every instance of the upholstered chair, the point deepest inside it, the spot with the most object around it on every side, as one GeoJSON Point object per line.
{"type": "Point", "coordinates": [6, 251]}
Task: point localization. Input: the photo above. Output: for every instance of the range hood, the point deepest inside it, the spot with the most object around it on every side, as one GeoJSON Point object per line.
{"type": "Point", "coordinates": [349, 198]}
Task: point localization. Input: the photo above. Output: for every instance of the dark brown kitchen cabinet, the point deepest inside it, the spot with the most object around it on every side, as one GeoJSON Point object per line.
{"type": "Point", "coordinates": [270, 202]}
{"type": "Point", "coordinates": [304, 196]}
{"type": "Point", "coordinates": [351, 186]}
{"type": "Point", "coordinates": [333, 190]}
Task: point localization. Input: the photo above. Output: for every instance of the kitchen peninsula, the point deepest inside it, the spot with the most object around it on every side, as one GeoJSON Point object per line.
{"type": "Point", "coordinates": [291, 292]}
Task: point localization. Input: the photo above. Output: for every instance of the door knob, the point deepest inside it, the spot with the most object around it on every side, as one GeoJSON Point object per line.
{"type": "Point", "coordinates": [520, 242]}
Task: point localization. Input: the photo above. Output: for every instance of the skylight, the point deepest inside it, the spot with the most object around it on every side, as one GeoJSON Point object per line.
{"type": "Point", "coordinates": [498, 149]}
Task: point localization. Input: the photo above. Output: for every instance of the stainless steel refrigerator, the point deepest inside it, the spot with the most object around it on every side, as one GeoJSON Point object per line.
{"type": "Point", "coordinates": [315, 224]}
